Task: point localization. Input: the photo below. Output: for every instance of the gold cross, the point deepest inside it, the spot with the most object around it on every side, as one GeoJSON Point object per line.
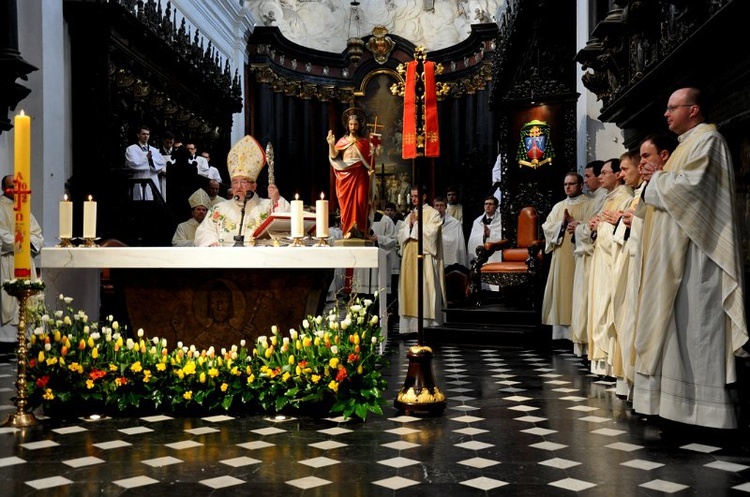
{"type": "Point", "coordinates": [375, 126]}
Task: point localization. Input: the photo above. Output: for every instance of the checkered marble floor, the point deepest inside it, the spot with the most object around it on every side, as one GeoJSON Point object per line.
{"type": "Point", "coordinates": [518, 422]}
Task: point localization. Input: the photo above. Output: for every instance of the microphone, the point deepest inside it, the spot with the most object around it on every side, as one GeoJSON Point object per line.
{"type": "Point", "coordinates": [239, 238]}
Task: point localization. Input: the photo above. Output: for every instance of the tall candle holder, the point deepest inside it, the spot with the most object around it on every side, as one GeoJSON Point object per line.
{"type": "Point", "coordinates": [297, 242]}
{"type": "Point", "coordinates": [322, 241]}
{"type": "Point", "coordinates": [65, 243]}
{"type": "Point", "coordinates": [90, 242]}
{"type": "Point", "coordinates": [22, 290]}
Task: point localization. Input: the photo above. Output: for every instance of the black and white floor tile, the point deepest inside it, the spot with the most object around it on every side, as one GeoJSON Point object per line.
{"type": "Point", "coordinates": [517, 422]}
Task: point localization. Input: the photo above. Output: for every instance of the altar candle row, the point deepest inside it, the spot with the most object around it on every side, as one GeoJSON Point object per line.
{"type": "Point", "coordinates": [66, 218]}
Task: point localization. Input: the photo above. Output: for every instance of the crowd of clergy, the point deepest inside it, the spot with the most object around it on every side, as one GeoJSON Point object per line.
{"type": "Point", "coordinates": [645, 274]}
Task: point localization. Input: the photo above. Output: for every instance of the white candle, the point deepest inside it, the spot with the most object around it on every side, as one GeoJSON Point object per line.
{"type": "Point", "coordinates": [89, 218]}
{"type": "Point", "coordinates": [66, 218]}
{"type": "Point", "coordinates": [298, 224]}
{"type": "Point", "coordinates": [321, 217]}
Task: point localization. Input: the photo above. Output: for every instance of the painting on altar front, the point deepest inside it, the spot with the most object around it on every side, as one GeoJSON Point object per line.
{"type": "Point", "coordinates": [385, 116]}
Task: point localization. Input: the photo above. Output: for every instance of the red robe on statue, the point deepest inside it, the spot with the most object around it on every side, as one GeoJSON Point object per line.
{"type": "Point", "coordinates": [353, 182]}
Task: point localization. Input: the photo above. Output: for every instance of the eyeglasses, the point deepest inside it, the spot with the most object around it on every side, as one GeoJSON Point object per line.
{"type": "Point", "coordinates": [672, 108]}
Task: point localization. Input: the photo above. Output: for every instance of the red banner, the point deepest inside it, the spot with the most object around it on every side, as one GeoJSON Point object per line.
{"type": "Point", "coordinates": [409, 150]}
{"type": "Point", "coordinates": [431, 130]}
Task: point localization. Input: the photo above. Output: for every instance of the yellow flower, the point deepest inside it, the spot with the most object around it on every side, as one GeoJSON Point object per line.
{"type": "Point", "coordinates": [291, 360]}
{"type": "Point", "coordinates": [334, 362]}
{"type": "Point", "coordinates": [188, 395]}
{"type": "Point", "coordinates": [235, 371]}
{"type": "Point", "coordinates": [95, 353]}
{"type": "Point", "coordinates": [48, 395]}
{"type": "Point", "coordinates": [333, 385]}
{"type": "Point", "coordinates": [146, 376]}
{"type": "Point", "coordinates": [202, 377]}
{"type": "Point", "coordinates": [90, 342]}
{"type": "Point", "coordinates": [51, 361]}
{"type": "Point", "coordinates": [40, 357]}
{"type": "Point", "coordinates": [189, 368]}
{"type": "Point", "coordinates": [89, 384]}
{"type": "Point", "coordinates": [360, 369]}
{"type": "Point", "coordinates": [213, 372]}
{"type": "Point", "coordinates": [113, 367]}
{"type": "Point", "coordinates": [286, 376]}
{"type": "Point", "coordinates": [224, 387]}
{"type": "Point", "coordinates": [136, 367]}
{"type": "Point", "coordinates": [250, 378]}
{"type": "Point", "coordinates": [315, 378]}
{"type": "Point", "coordinates": [161, 366]}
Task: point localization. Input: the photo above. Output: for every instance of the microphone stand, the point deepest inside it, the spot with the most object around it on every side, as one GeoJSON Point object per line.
{"type": "Point", "coordinates": [239, 239]}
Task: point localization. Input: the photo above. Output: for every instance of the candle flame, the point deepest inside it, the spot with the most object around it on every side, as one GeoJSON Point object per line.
{"type": "Point", "coordinates": [296, 196]}
{"type": "Point", "coordinates": [65, 197]}
{"type": "Point", "coordinates": [22, 113]}
{"type": "Point", "coordinates": [322, 196]}
{"type": "Point", "coordinates": [91, 198]}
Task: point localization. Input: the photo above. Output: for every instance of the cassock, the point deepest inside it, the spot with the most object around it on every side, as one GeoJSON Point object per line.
{"type": "Point", "coordinates": [600, 324]}
{"type": "Point", "coordinates": [9, 325]}
{"type": "Point", "coordinates": [433, 272]}
{"type": "Point", "coordinates": [557, 307]}
{"type": "Point", "coordinates": [691, 314]}
{"type": "Point", "coordinates": [584, 248]}
{"type": "Point", "coordinates": [353, 182]}
{"type": "Point", "coordinates": [136, 159]}
{"type": "Point", "coordinates": [454, 243]}
{"type": "Point", "coordinates": [184, 235]}
{"type": "Point", "coordinates": [222, 222]}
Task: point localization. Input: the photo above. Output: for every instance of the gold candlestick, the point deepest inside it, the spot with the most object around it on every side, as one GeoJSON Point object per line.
{"type": "Point", "coordinates": [322, 241]}
{"type": "Point", "coordinates": [297, 242]}
{"type": "Point", "coordinates": [65, 243]}
{"type": "Point", "coordinates": [90, 242]}
{"type": "Point", "coordinates": [22, 417]}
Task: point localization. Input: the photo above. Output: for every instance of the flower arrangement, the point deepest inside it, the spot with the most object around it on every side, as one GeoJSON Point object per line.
{"type": "Point", "coordinates": [332, 361]}
{"type": "Point", "coordinates": [16, 285]}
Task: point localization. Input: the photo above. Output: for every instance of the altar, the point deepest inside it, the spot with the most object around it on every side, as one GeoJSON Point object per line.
{"type": "Point", "coordinates": [202, 295]}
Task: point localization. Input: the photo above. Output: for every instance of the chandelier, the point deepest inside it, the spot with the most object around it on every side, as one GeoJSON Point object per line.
{"type": "Point", "coordinates": [354, 45]}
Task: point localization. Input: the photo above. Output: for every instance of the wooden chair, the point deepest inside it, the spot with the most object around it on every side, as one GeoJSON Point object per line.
{"type": "Point", "coordinates": [520, 262]}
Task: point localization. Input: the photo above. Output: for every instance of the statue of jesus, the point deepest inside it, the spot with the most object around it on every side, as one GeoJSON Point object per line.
{"type": "Point", "coordinates": [351, 160]}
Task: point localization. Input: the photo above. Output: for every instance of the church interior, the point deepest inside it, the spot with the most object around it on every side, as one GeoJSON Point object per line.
{"type": "Point", "coordinates": [524, 414]}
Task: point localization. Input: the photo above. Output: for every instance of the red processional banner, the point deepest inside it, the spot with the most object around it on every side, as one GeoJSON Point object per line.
{"type": "Point", "coordinates": [431, 131]}
{"type": "Point", "coordinates": [409, 148]}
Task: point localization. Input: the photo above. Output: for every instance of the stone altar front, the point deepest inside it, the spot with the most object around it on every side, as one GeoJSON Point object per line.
{"type": "Point", "coordinates": [202, 295]}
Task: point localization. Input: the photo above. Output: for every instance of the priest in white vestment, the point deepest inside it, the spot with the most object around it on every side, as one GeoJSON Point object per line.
{"type": "Point", "coordinates": [433, 288]}
{"type": "Point", "coordinates": [691, 318]}
{"type": "Point", "coordinates": [454, 242]}
{"type": "Point", "coordinates": [246, 211]}
{"type": "Point", "coordinates": [144, 162]}
{"type": "Point", "coordinates": [558, 229]}
{"type": "Point", "coordinates": [9, 324]}
{"type": "Point", "coordinates": [184, 234]}
{"type": "Point", "coordinates": [654, 149]}
{"type": "Point", "coordinates": [583, 250]}
{"type": "Point", "coordinates": [600, 322]}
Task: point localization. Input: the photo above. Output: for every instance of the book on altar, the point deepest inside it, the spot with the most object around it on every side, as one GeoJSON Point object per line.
{"type": "Point", "coordinates": [280, 224]}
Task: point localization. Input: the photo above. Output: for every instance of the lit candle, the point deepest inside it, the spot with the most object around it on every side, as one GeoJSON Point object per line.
{"type": "Point", "coordinates": [66, 218]}
{"type": "Point", "coordinates": [22, 196]}
{"type": "Point", "coordinates": [298, 225]}
{"type": "Point", "coordinates": [89, 218]}
{"type": "Point", "coordinates": [321, 217]}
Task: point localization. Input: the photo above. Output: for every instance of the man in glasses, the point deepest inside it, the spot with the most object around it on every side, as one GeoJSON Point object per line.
{"type": "Point", "coordinates": [691, 315]}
